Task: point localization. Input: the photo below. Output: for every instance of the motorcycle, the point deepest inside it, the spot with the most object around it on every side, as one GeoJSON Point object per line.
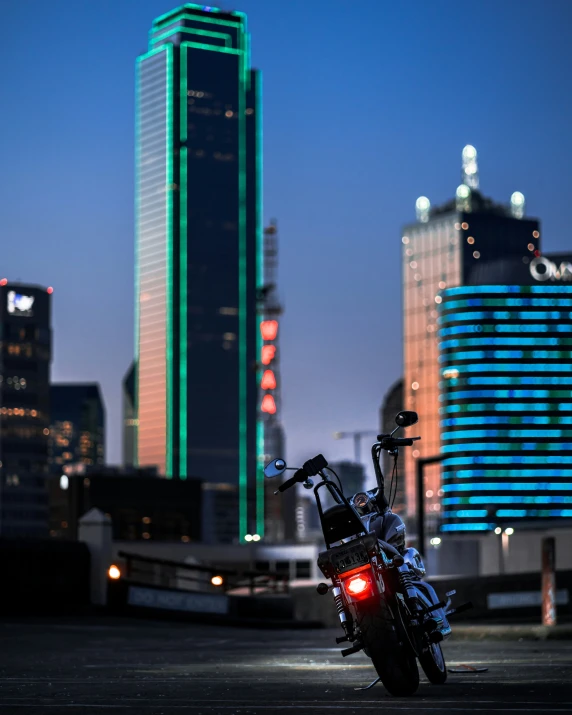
{"type": "Point", "coordinates": [385, 608]}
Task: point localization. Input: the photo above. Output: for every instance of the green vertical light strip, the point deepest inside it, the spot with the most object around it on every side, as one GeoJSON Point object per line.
{"type": "Point", "coordinates": [183, 271]}
{"type": "Point", "coordinates": [169, 248]}
{"type": "Point", "coordinates": [259, 283]}
{"type": "Point", "coordinates": [242, 308]}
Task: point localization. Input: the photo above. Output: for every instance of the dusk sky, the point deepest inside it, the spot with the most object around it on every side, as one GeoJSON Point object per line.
{"type": "Point", "coordinates": [367, 105]}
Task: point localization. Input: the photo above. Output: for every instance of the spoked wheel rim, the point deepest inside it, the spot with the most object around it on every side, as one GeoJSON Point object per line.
{"type": "Point", "coordinates": [437, 655]}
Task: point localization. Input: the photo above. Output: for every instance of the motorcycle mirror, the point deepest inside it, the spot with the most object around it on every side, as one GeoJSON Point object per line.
{"type": "Point", "coordinates": [308, 484]}
{"type": "Point", "coordinates": [406, 418]}
{"type": "Point", "coordinates": [275, 468]}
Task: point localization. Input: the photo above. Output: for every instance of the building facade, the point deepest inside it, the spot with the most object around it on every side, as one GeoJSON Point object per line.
{"type": "Point", "coordinates": [77, 426]}
{"type": "Point", "coordinates": [443, 249]}
{"type": "Point", "coordinates": [505, 398]}
{"type": "Point", "coordinates": [25, 357]}
{"type": "Point", "coordinates": [199, 253]}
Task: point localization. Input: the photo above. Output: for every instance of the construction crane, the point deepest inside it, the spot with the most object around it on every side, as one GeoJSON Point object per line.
{"type": "Point", "coordinates": [357, 437]}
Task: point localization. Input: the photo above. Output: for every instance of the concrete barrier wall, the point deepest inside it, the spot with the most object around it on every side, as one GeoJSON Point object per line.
{"type": "Point", "coordinates": [44, 577]}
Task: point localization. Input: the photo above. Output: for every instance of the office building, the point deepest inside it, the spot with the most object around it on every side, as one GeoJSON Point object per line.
{"type": "Point", "coordinates": [77, 426]}
{"type": "Point", "coordinates": [25, 357]}
{"type": "Point", "coordinates": [392, 404]}
{"type": "Point", "coordinates": [505, 397]}
{"type": "Point", "coordinates": [444, 249]}
{"type": "Point", "coordinates": [199, 253]}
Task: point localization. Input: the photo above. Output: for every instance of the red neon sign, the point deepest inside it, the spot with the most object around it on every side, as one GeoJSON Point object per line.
{"type": "Point", "coordinates": [268, 405]}
{"type": "Point", "coordinates": [268, 354]}
{"type": "Point", "coordinates": [268, 380]}
{"type": "Point", "coordinates": [269, 329]}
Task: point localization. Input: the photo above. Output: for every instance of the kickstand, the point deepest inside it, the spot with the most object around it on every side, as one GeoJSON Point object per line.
{"type": "Point", "coordinates": [367, 687]}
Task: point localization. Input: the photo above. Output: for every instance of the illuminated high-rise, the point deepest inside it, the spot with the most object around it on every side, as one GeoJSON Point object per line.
{"type": "Point", "coordinates": [25, 357]}
{"type": "Point", "coordinates": [505, 399]}
{"type": "Point", "coordinates": [448, 246]}
{"type": "Point", "coordinates": [198, 253]}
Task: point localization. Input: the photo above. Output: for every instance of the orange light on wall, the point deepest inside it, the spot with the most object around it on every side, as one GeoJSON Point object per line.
{"type": "Point", "coordinates": [269, 329]}
{"type": "Point", "coordinates": [268, 380]}
{"type": "Point", "coordinates": [268, 405]}
{"type": "Point", "coordinates": [268, 354]}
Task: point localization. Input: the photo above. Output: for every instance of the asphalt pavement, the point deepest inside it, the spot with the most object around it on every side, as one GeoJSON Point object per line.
{"type": "Point", "coordinates": [154, 668]}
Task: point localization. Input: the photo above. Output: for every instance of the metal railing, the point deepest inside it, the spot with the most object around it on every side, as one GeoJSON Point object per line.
{"type": "Point", "coordinates": [164, 572]}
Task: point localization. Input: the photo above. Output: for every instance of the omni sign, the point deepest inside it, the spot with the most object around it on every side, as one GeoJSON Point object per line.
{"type": "Point", "coordinates": [542, 269]}
{"type": "Point", "coordinates": [269, 332]}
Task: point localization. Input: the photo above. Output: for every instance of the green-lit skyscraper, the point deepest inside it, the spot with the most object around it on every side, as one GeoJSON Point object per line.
{"type": "Point", "coordinates": [198, 254]}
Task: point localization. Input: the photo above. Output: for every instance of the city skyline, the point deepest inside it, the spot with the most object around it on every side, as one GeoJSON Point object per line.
{"type": "Point", "coordinates": [326, 201]}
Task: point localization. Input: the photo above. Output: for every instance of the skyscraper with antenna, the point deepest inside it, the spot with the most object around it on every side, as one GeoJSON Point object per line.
{"type": "Point", "coordinates": [449, 245]}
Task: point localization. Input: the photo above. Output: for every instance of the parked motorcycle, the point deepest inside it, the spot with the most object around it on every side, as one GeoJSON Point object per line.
{"type": "Point", "coordinates": [384, 606]}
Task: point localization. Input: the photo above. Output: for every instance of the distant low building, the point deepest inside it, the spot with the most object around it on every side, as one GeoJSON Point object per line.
{"type": "Point", "coordinates": [352, 476]}
{"type": "Point", "coordinates": [129, 446]}
{"type": "Point", "coordinates": [77, 426]}
{"type": "Point", "coordinates": [141, 505]}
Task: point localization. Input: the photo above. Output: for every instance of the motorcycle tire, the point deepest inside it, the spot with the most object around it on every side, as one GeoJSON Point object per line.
{"type": "Point", "coordinates": [394, 662]}
{"type": "Point", "coordinates": [433, 663]}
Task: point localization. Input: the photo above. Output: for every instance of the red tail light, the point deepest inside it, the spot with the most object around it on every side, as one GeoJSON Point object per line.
{"type": "Point", "coordinates": [359, 585]}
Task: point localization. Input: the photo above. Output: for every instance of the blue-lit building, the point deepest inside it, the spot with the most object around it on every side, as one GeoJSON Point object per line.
{"type": "Point", "coordinates": [505, 355]}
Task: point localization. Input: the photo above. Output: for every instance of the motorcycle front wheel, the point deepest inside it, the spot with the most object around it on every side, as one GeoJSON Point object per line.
{"type": "Point", "coordinates": [393, 659]}
{"type": "Point", "coordinates": [433, 663]}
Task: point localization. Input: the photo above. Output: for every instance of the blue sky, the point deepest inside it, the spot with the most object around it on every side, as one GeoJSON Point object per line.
{"type": "Point", "coordinates": [366, 106]}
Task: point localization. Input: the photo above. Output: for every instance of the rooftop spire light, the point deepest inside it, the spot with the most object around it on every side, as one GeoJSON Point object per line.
{"type": "Point", "coordinates": [470, 173]}
{"type": "Point", "coordinates": [517, 204]}
{"type": "Point", "coordinates": [422, 208]}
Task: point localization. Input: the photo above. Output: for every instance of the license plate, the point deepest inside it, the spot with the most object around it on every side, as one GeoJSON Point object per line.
{"type": "Point", "coordinates": [349, 558]}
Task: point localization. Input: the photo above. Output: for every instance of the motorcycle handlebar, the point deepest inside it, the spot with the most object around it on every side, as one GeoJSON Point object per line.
{"type": "Point", "coordinates": [388, 442]}
{"type": "Point", "coordinates": [299, 476]}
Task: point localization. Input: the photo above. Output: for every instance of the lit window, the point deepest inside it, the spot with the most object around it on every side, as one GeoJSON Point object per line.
{"type": "Point", "coordinates": [413, 264]}
{"type": "Point", "coordinates": [536, 234]}
{"type": "Point", "coordinates": [476, 254]}
{"type": "Point", "coordinates": [405, 239]}
{"type": "Point", "coordinates": [438, 299]}
{"type": "Point", "coordinates": [530, 246]}
{"type": "Point", "coordinates": [442, 285]}
{"type": "Point", "coordinates": [414, 385]}
{"type": "Point", "coordinates": [250, 110]}
{"type": "Point", "coordinates": [229, 336]}
{"type": "Point", "coordinates": [464, 225]}
{"type": "Point", "coordinates": [470, 240]}
{"type": "Point", "coordinates": [457, 226]}
{"type": "Point", "coordinates": [228, 311]}
{"type": "Point", "coordinates": [228, 114]}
